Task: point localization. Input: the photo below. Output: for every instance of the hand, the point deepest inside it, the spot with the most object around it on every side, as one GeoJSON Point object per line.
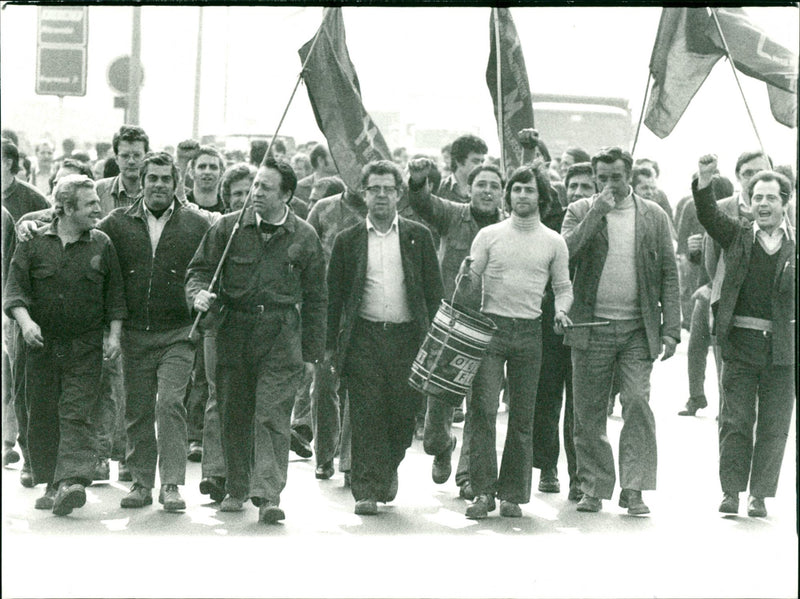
{"type": "Point", "coordinates": [111, 348]}
{"type": "Point", "coordinates": [604, 201]}
{"type": "Point", "coordinates": [203, 300]}
{"type": "Point", "coordinates": [669, 345]}
{"type": "Point", "coordinates": [26, 229]}
{"type": "Point", "coordinates": [561, 321]}
{"type": "Point", "coordinates": [420, 169]}
{"type": "Point", "coordinates": [695, 242]}
{"type": "Point", "coordinates": [528, 138]}
{"type": "Point", "coordinates": [32, 334]}
{"type": "Point", "coordinates": [706, 169]}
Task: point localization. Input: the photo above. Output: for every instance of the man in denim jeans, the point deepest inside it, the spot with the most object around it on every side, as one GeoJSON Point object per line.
{"type": "Point", "coordinates": [621, 247]}
{"type": "Point", "coordinates": [511, 262]}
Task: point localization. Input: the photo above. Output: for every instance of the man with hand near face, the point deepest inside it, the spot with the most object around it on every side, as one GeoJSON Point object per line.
{"type": "Point", "coordinates": [625, 275]}
{"type": "Point", "coordinates": [275, 263]}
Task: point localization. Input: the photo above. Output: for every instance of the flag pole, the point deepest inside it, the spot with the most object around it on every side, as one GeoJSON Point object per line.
{"type": "Point", "coordinates": [641, 114]}
{"type": "Point", "coordinates": [736, 76]}
{"type": "Point", "coordinates": [238, 222]}
{"type": "Point", "coordinates": [500, 125]}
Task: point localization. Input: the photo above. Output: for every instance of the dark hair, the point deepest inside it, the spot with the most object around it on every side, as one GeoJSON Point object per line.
{"type": "Point", "coordinates": [160, 159]}
{"type": "Point", "coordinates": [318, 152]}
{"type": "Point", "coordinates": [10, 135]}
{"type": "Point", "coordinates": [110, 168]}
{"type": "Point", "coordinates": [66, 193]}
{"type": "Point", "coordinates": [721, 186]}
{"type": "Point", "coordinates": [382, 167]}
{"type": "Point", "coordinates": [101, 147]}
{"type": "Point", "coordinates": [653, 165]}
{"type": "Point", "coordinates": [579, 168]}
{"type": "Point", "coordinates": [75, 165]}
{"type": "Point", "coordinates": [25, 164]}
{"type": "Point", "coordinates": [208, 151]}
{"type": "Point", "coordinates": [258, 149]}
{"type": "Point", "coordinates": [485, 167]}
{"type": "Point", "coordinates": [279, 146]}
{"type": "Point", "coordinates": [746, 157]}
{"type": "Point", "coordinates": [578, 154]}
{"type": "Point", "coordinates": [463, 147]}
{"type": "Point", "coordinates": [525, 174]}
{"type": "Point", "coordinates": [81, 156]}
{"type": "Point", "coordinates": [641, 172]}
{"type": "Point", "coordinates": [611, 155]}
{"type": "Point", "coordinates": [784, 183]}
{"type": "Point", "coordinates": [130, 134]}
{"type": "Point", "coordinates": [330, 186]}
{"type": "Point", "coordinates": [10, 152]}
{"type": "Point", "coordinates": [234, 174]}
{"type": "Point", "coordinates": [285, 170]}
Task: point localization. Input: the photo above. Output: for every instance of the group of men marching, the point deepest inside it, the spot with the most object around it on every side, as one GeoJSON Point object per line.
{"type": "Point", "coordinates": [580, 283]}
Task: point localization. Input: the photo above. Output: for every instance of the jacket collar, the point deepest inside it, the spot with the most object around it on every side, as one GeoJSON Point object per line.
{"type": "Point", "coordinates": [249, 219]}
{"type": "Point", "coordinates": [137, 209]}
{"type": "Point", "coordinates": [51, 228]}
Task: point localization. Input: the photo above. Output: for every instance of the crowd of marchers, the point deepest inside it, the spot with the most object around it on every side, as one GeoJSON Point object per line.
{"type": "Point", "coordinates": [161, 307]}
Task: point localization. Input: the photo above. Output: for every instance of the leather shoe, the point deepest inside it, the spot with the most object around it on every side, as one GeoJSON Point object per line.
{"type": "Point", "coordinates": [480, 508]}
{"type": "Point", "coordinates": [756, 507]}
{"type": "Point", "coordinates": [730, 503]}
{"type": "Point", "coordinates": [575, 492]}
{"type": "Point", "coordinates": [26, 477]}
{"type": "Point", "coordinates": [69, 497]}
{"type": "Point", "coordinates": [101, 470]}
{"type": "Point", "coordinates": [10, 456]}
{"type": "Point", "coordinates": [465, 492]}
{"type": "Point", "coordinates": [695, 403]}
{"type": "Point", "coordinates": [509, 509]}
{"type": "Point", "coordinates": [458, 415]}
{"type": "Point", "coordinates": [366, 507]}
{"type": "Point", "coordinates": [269, 513]}
{"type": "Point", "coordinates": [124, 475]}
{"type": "Point", "coordinates": [632, 499]}
{"type": "Point", "coordinates": [391, 492]}
{"type": "Point", "coordinates": [300, 445]}
{"type": "Point", "coordinates": [442, 466]}
{"type": "Point", "coordinates": [195, 452]}
{"type": "Point", "coordinates": [45, 502]}
{"type": "Point", "coordinates": [231, 504]}
{"type": "Point", "coordinates": [139, 496]}
{"type": "Point", "coordinates": [324, 471]}
{"type": "Point", "coordinates": [171, 499]}
{"type": "Point", "coordinates": [214, 486]}
{"type": "Point", "coordinates": [548, 481]}
{"type": "Point", "coordinates": [589, 504]}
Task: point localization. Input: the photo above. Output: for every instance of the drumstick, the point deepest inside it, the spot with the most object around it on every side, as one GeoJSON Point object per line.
{"type": "Point", "coordinates": [577, 325]}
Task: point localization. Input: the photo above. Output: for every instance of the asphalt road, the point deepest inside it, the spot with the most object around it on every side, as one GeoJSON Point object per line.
{"type": "Point", "coordinates": [421, 545]}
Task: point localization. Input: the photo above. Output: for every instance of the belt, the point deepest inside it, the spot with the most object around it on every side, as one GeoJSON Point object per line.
{"type": "Point", "coordinates": [755, 324]}
{"type": "Point", "coordinates": [386, 326]}
{"type": "Point", "coordinates": [258, 309]}
{"type": "Point", "coordinates": [509, 321]}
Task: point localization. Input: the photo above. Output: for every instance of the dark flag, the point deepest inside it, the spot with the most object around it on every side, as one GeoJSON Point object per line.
{"type": "Point", "coordinates": [517, 109]}
{"type": "Point", "coordinates": [688, 46]}
{"type": "Point", "coordinates": [335, 95]}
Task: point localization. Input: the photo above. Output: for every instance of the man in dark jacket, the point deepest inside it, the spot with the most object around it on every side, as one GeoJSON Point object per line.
{"type": "Point", "coordinates": [756, 329]}
{"type": "Point", "coordinates": [385, 287]}
{"type": "Point", "coordinates": [155, 239]}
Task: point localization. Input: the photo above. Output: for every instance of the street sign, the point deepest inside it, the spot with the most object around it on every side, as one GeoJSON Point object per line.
{"type": "Point", "coordinates": [61, 56]}
{"type": "Point", "coordinates": [118, 74]}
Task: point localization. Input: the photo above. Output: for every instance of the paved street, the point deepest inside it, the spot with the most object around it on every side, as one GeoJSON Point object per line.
{"type": "Point", "coordinates": [421, 545]}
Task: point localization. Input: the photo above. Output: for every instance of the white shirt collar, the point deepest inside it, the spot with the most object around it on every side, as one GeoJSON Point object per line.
{"type": "Point", "coordinates": [781, 230]}
{"type": "Point", "coordinates": [393, 226]}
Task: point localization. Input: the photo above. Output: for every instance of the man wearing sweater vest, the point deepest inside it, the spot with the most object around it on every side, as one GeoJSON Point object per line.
{"type": "Point", "coordinates": [756, 329]}
{"type": "Point", "coordinates": [626, 275]}
{"type": "Point", "coordinates": [511, 262]}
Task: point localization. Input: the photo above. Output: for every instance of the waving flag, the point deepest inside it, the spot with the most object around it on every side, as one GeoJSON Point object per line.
{"type": "Point", "coordinates": [335, 95]}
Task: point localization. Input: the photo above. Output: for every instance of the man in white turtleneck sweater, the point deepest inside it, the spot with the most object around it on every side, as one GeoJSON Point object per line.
{"type": "Point", "coordinates": [513, 260]}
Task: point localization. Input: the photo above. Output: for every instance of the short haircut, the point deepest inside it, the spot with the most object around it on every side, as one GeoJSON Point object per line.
{"type": "Point", "coordinates": [525, 174]}
{"type": "Point", "coordinates": [285, 170]}
{"type": "Point", "coordinates": [279, 146]}
{"type": "Point", "coordinates": [578, 154]}
{"type": "Point", "coordinates": [208, 151]}
{"type": "Point", "coordinates": [463, 147]}
{"type": "Point", "coordinates": [10, 152]}
{"type": "Point", "coordinates": [130, 134]}
{"type": "Point", "coordinates": [766, 176]}
{"type": "Point", "coordinates": [611, 155]}
{"type": "Point", "coordinates": [579, 168]}
{"type": "Point", "coordinates": [81, 156]}
{"type": "Point", "coordinates": [11, 135]}
{"type": "Point", "coordinates": [42, 142]}
{"type": "Point", "coordinates": [382, 167]}
{"type": "Point", "coordinates": [160, 159]}
{"type": "Point", "coordinates": [746, 157]}
{"type": "Point", "coordinates": [110, 168]}
{"type": "Point", "coordinates": [234, 174]}
{"type": "Point", "coordinates": [75, 165]}
{"type": "Point", "coordinates": [640, 172]}
{"type": "Point", "coordinates": [66, 192]}
{"type": "Point", "coordinates": [330, 186]}
{"type": "Point", "coordinates": [101, 147]}
{"type": "Point", "coordinates": [318, 152]}
{"type": "Point", "coordinates": [25, 164]}
{"type": "Point", "coordinates": [649, 161]}
{"type": "Point", "coordinates": [258, 149]}
{"type": "Point", "coordinates": [485, 167]}
{"type": "Point", "coordinates": [300, 157]}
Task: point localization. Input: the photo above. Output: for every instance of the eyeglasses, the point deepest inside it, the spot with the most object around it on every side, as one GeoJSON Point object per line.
{"type": "Point", "coordinates": [378, 189]}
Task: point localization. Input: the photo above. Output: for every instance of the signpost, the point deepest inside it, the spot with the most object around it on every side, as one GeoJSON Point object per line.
{"type": "Point", "coordinates": [63, 35]}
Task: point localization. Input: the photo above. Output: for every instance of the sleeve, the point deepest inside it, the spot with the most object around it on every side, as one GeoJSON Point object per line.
{"type": "Point", "coordinates": [432, 209]}
{"type": "Point", "coordinates": [720, 227]}
{"type": "Point", "coordinates": [9, 241]}
{"type": "Point", "coordinates": [315, 303]}
{"type": "Point", "coordinates": [670, 291]}
{"type": "Point", "coordinates": [479, 253]}
{"type": "Point", "coordinates": [17, 291]}
{"type": "Point", "coordinates": [114, 289]}
{"type": "Point", "coordinates": [336, 270]}
{"type": "Point", "coordinates": [431, 275]}
{"type": "Point", "coordinates": [313, 219]}
{"type": "Point", "coordinates": [204, 262]}
{"type": "Point", "coordinates": [40, 216]}
{"type": "Point", "coordinates": [579, 230]}
{"type": "Point", "coordinates": [559, 276]}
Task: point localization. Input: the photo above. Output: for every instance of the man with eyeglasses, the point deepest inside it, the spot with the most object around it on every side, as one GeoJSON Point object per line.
{"type": "Point", "coordinates": [625, 275]}
{"type": "Point", "coordinates": [384, 289]}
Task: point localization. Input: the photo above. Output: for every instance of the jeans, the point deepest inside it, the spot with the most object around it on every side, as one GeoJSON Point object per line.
{"type": "Point", "coordinates": [108, 419]}
{"type": "Point", "coordinates": [259, 369]}
{"type": "Point", "coordinates": [301, 411]}
{"type": "Point", "coordinates": [158, 366]}
{"type": "Point", "coordinates": [213, 456]}
{"type": "Point", "coordinates": [10, 428]}
{"type": "Point", "coordinates": [761, 396]}
{"type": "Point", "coordinates": [325, 413]}
{"type": "Point", "coordinates": [697, 352]}
{"type": "Point", "coordinates": [438, 421]}
{"type": "Point", "coordinates": [623, 342]}
{"type": "Point", "coordinates": [517, 343]}
{"type": "Point", "coordinates": [197, 397]}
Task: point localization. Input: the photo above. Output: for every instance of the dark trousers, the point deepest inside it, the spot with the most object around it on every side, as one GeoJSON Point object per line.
{"type": "Point", "coordinates": [758, 396]}
{"type": "Point", "coordinates": [109, 414]}
{"type": "Point", "coordinates": [697, 352]}
{"type": "Point", "coordinates": [325, 413]}
{"type": "Point", "coordinates": [554, 377]}
{"type": "Point", "coordinates": [61, 386]}
{"type": "Point", "coordinates": [13, 383]}
{"type": "Point", "coordinates": [517, 344]}
{"type": "Point", "coordinates": [197, 396]}
{"type": "Point", "coordinates": [259, 369]}
{"type": "Point", "coordinates": [382, 404]}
